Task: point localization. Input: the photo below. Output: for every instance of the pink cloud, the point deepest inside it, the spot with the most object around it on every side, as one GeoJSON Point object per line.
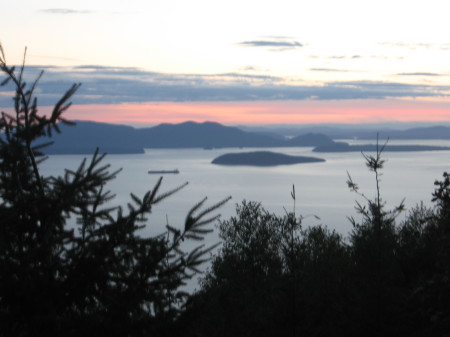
{"type": "Point", "coordinates": [265, 112]}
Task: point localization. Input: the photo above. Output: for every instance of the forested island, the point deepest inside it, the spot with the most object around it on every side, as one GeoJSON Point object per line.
{"type": "Point", "coordinates": [262, 158]}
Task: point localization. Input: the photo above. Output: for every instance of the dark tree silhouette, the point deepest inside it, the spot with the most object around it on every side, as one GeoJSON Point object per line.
{"type": "Point", "coordinates": [376, 270]}
{"type": "Point", "coordinates": [101, 277]}
{"type": "Point", "coordinates": [271, 277]}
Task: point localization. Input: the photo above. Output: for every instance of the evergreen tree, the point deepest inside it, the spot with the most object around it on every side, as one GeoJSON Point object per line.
{"type": "Point", "coordinates": [271, 277]}
{"type": "Point", "coordinates": [430, 259]}
{"type": "Point", "coordinates": [377, 274]}
{"type": "Point", "coordinates": [101, 278]}
{"type": "Point", "coordinates": [244, 292]}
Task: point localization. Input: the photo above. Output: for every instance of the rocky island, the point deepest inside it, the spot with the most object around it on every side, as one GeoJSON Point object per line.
{"type": "Point", "coordinates": [263, 158]}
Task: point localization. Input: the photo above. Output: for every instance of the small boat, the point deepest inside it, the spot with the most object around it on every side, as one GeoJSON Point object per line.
{"type": "Point", "coordinates": [164, 171]}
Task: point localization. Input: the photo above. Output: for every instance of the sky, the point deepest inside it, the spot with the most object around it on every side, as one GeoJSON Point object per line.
{"type": "Point", "coordinates": [235, 62]}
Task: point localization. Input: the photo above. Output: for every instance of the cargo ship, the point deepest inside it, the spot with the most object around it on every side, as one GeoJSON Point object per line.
{"type": "Point", "coordinates": [176, 171]}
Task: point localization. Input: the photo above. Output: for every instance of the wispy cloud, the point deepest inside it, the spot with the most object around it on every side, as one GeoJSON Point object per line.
{"type": "Point", "coordinates": [278, 44]}
{"type": "Point", "coordinates": [381, 89]}
{"type": "Point", "coordinates": [250, 68]}
{"type": "Point", "coordinates": [328, 70]}
{"type": "Point", "coordinates": [419, 74]}
{"type": "Point", "coordinates": [416, 46]}
{"type": "Point", "coordinates": [274, 43]}
{"type": "Point", "coordinates": [400, 44]}
{"type": "Point", "coordinates": [355, 57]}
{"type": "Point", "coordinates": [336, 57]}
{"type": "Point", "coordinates": [113, 85]}
{"type": "Point", "coordinates": [385, 57]}
{"type": "Point", "coordinates": [64, 11]}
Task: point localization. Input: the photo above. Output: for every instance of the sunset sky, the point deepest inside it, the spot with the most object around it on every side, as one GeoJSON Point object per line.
{"type": "Point", "coordinates": [236, 62]}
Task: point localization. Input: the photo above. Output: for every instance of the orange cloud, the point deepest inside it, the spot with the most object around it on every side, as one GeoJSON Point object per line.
{"type": "Point", "coordinates": [267, 112]}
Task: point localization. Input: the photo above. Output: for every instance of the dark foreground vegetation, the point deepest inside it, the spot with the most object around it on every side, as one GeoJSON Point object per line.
{"type": "Point", "coordinates": [97, 277]}
{"type": "Point", "coordinates": [272, 276]}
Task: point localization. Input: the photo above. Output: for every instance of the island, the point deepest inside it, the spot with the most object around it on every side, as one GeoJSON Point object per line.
{"type": "Point", "coordinates": [345, 147]}
{"type": "Point", "coordinates": [263, 158]}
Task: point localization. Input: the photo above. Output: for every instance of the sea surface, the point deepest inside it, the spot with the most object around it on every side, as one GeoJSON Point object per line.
{"type": "Point", "coordinates": [321, 189]}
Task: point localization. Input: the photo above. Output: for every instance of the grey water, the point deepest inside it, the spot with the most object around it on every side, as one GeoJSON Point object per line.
{"type": "Point", "coordinates": [321, 188]}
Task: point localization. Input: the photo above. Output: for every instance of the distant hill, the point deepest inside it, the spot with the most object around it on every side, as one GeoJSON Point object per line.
{"type": "Point", "coordinates": [84, 137]}
{"type": "Point", "coordinates": [262, 158]}
{"type": "Point", "coordinates": [345, 147]}
{"type": "Point", "coordinates": [202, 135]}
{"type": "Point", "coordinates": [363, 131]}
{"type": "Point", "coordinates": [433, 132]}
{"type": "Point", "coordinates": [310, 139]}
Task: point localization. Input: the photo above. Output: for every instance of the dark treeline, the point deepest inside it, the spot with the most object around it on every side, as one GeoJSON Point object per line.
{"type": "Point", "coordinates": [272, 275]}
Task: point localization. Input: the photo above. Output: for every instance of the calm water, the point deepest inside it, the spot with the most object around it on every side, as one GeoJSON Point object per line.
{"type": "Point", "coordinates": [321, 188]}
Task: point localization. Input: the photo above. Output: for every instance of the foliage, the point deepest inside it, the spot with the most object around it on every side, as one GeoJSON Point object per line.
{"type": "Point", "coordinates": [264, 277]}
{"type": "Point", "coordinates": [431, 295]}
{"type": "Point", "coordinates": [442, 197]}
{"type": "Point", "coordinates": [245, 277]}
{"type": "Point", "coordinates": [376, 271]}
{"type": "Point", "coordinates": [100, 276]}
{"type": "Point", "coordinates": [273, 277]}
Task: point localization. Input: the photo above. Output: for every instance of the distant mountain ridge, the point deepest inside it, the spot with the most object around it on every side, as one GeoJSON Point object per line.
{"type": "Point", "coordinates": [86, 136]}
{"type": "Point", "coordinates": [345, 147]}
{"type": "Point", "coordinates": [363, 132]}
{"type": "Point", "coordinates": [432, 132]}
{"type": "Point", "coordinates": [202, 135]}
